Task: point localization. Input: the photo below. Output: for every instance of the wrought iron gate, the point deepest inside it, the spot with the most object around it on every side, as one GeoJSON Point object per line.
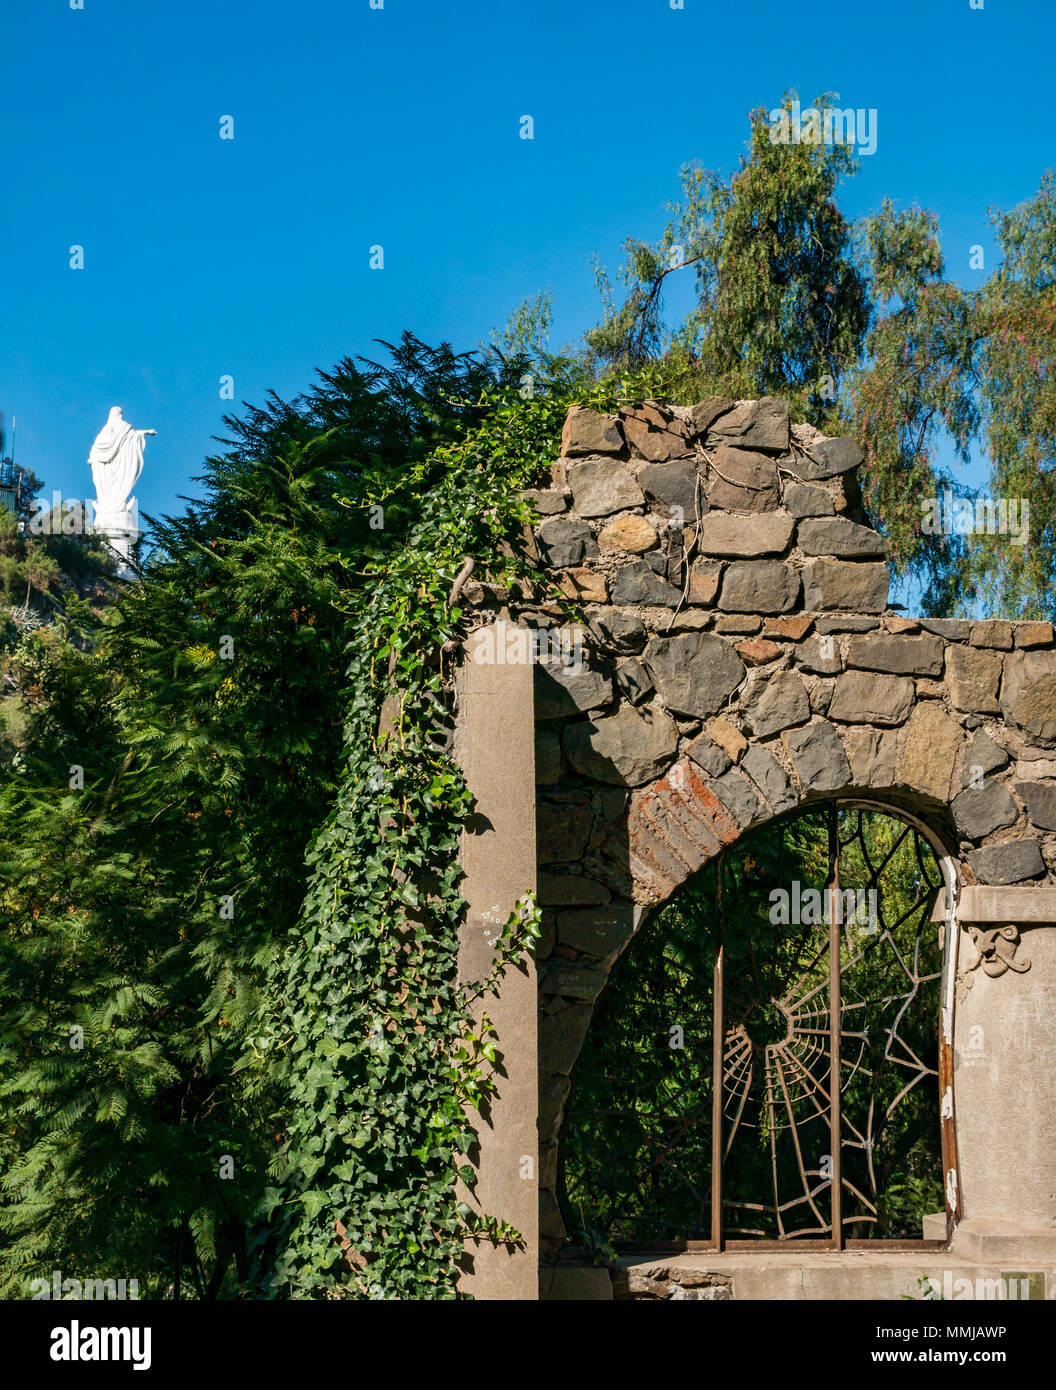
{"type": "Point", "coordinates": [847, 986]}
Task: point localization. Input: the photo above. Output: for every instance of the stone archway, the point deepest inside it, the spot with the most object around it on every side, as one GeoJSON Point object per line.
{"type": "Point", "coordinates": [738, 660]}
{"type": "Point", "coordinates": [588, 942]}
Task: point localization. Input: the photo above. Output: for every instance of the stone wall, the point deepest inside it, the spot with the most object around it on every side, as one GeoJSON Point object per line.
{"type": "Point", "coordinates": [740, 662]}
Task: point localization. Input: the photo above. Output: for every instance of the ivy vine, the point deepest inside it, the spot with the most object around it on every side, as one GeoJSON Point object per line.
{"type": "Point", "coordinates": [377, 1042]}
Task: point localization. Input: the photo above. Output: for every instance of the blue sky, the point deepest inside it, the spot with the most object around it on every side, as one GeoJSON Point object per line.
{"type": "Point", "coordinates": [356, 126]}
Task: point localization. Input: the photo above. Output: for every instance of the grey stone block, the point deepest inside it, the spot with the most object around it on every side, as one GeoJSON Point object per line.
{"type": "Point", "coordinates": [953, 629]}
{"type": "Point", "coordinates": [829, 457]}
{"type": "Point", "coordinates": [565, 541]}
{"type": "Point", "coordinates": [829, 625]}
{"type": "Point", "coordinates": [1040, 801]}
{"type": "Point", "coordinates": [603, 486]}
{"type": "Point", "coordinates": [633, 681]}
{"type": "Point", "coordinates": [897, 655]}
{"type": "Point", "coordinates": [1028, 694]}
{"type": "Point", "coordinates": [561, 691]}
{"type": "Point", "coordinates": [761, 424]}
{"type": "Point", "coordinates": [775, 704]}
{"type": "Point", "coordinates": [759, 586]}
{"type": "Point", "coordinates": [725, 533]}
{"type": "Point", "coordinates": [709, 755]}
{"type": "Point", "coordinates": [597, 932]}
{"type": "Point", "coordinates": [587, 431]}
{"type": "Point", "coordinates": [741, 480]}
{"type": "Point", "coordinates": [769, 776]}
{"type": "Point", "coordinates": [739, 797]}
{"type": "Point", "coordinates": [547, 501]}
{"type": "Point", "coordinates": [675, 485]}
{"type": "Point", "coordinates": [627, 748]}
{"type": "Point", "coordinates": [620, 632]}
{"type": "Point", "coordinates": [972, 679]}
{"type": "Point", "coordinates": [844, 584]}
{"type": "Point", "coordinates": [699, 418]}
{"type": "Point", "coordinates": [821, 696]}
{"type": "Point", "coordinates": [695, 672]}
{"type": "Point", "coordinates": [836, 536]}
{"type": "Point", "coordinates": [562, 829]}
{"type": "Point", "coordinates": [573, 980]}
{"type": "Point", "coordinates": [818, 757]}
{"type": "Point", "coordinates": [803, 500]}
{"type": "Point", "coordinates": [1009, 863]}
{"type": "Point", "coordinates": [569, 890]}
{"type": "Point", "coordinates": [978, 811]}
{"type": "Point", "coordinates": [561, 1036]}
{"type": "Point", "coordinates": [819, 655]}
{"type": "Point", "coordinates": [655, 433]}
{"type": "Point", "coordinates": [864, 698]}
{"type": "Point", "coordinates": [983, 756]}
{"type": "Point", "coordinates": [637, 584]}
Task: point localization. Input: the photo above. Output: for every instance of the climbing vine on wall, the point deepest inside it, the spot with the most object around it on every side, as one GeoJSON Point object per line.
{"type": "Point", "coordinates": [373, 1035]}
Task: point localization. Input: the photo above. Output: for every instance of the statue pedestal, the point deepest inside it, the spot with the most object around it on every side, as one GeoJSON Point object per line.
{"type": "Point", "coordinates": [120, 530]}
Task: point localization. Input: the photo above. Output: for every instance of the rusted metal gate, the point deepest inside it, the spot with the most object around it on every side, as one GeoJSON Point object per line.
{"type": "Point", "coordinates": [845, 994]}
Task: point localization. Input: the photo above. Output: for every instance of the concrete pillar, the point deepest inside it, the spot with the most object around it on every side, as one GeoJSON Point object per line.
{"type": "Point", "coordinates": [120, 530]}
{"type": "Point", "coordinates": [1005, 1069]}
{"type": "Point", "coordinates": [495, 746]}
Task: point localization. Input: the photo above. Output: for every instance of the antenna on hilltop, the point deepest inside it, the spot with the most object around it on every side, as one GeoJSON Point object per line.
{"type": "Point", "coordinates": [10, 478]}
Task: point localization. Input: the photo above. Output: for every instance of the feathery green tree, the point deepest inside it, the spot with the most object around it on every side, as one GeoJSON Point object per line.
{"type": "Point", "coordinates": [180, 753]}
{"type": "Point", "coordinates": [862, 328]}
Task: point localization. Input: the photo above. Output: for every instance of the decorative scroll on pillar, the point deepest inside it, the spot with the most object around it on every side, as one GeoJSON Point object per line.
{"type": "Point", "coordinates": [995, 952]}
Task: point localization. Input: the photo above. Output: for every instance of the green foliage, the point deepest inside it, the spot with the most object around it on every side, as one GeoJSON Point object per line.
{"type": "Point", "coordinates": [229, 895]}
{"type": "Point", "coordinates": [373, 1035]}
{"type": "Point", "coordinates": [862, 329]}
{"type": "Point", "coordinates": [632, 334]}
{"type": "Point", "coordinates": [1016, 324]}
{"type": "Point", "coordinates": [151, 906]}
{"type": "Point", "coordinates": [114, 918]}
{"type": "Point", "coordinates": [527, 330]}
{"type": "Point", "coordinates": [36, 570]}
{"type": "Point", "coordinates": [971, 366]}
{"type": "Point", "coordinates": [782, 306]}
{"type": "Point", "coordinates": [916, 387]}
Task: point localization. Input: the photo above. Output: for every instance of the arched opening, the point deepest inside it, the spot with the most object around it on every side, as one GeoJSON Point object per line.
{"type": "Point", "coordinates": [702, 1111]}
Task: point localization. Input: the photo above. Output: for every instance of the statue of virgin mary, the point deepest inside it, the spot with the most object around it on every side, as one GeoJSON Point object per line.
{"type": "Point", "coordinates": [116, 459]}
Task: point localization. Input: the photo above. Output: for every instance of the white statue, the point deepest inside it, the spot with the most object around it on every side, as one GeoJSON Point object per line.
{"type": "Point", "coordinates": [116, 460]}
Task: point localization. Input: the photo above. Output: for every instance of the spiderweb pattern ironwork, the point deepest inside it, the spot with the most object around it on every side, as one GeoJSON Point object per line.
{"type": "Point", "coordinates": [777, 1092]}
{"type": "Point", "coordinates": [637, 1147]}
